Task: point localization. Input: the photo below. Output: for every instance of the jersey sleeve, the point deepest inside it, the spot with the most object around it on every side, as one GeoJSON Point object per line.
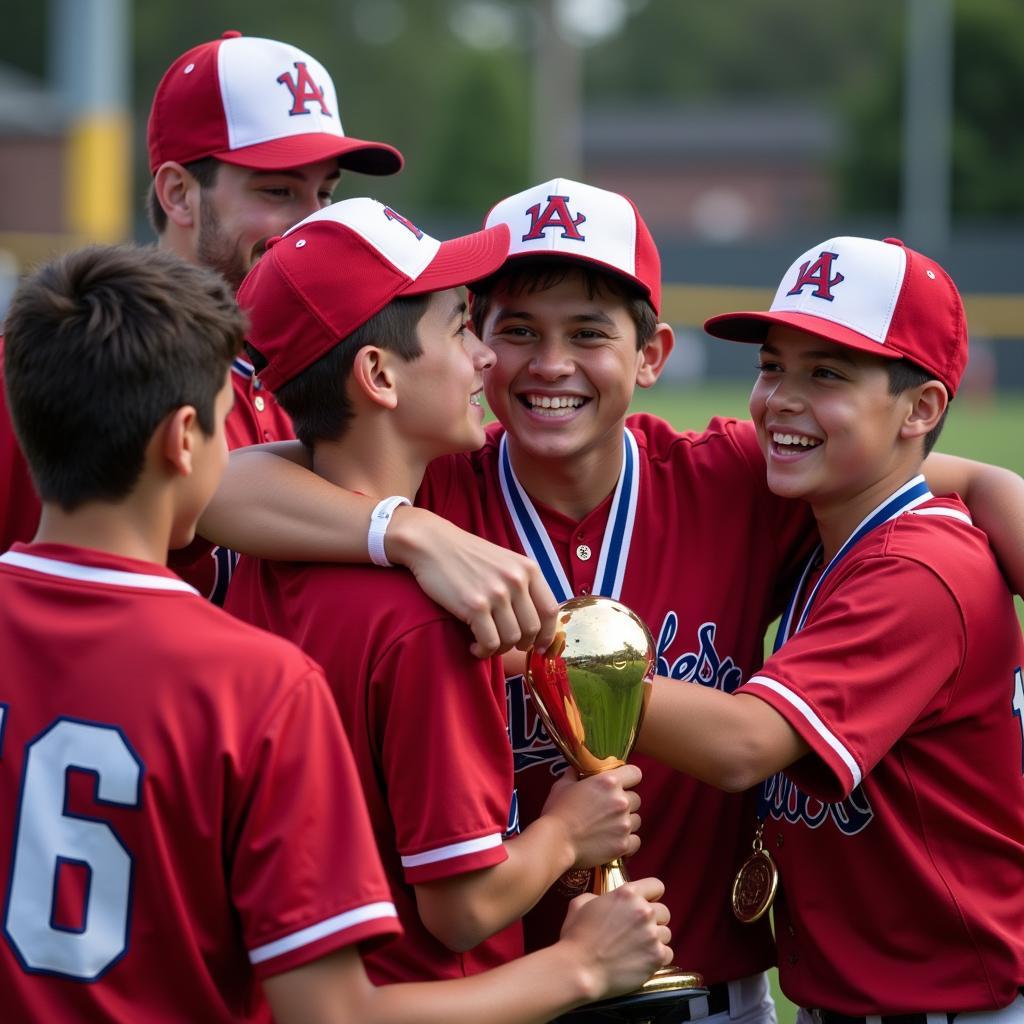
{"type": "Point", "coordinates": [444, 751]}
{"type": "Point", "coordinates": [883, 649]}
{"type": "Point", "coordinates": [305, 875]}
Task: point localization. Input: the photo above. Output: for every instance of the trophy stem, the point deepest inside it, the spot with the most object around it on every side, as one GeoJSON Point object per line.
{"type": "Point", "coordinates": [667, 980]}
{"type": "Point", "coordinates": [609, 876]}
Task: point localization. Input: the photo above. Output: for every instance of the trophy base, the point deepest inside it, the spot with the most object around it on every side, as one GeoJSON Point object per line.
{"type": "Point", "coordinates": [670, 996]}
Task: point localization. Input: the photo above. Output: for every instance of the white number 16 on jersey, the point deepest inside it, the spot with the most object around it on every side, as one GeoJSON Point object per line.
{"type": "Point", "coordinates": [47, 837]}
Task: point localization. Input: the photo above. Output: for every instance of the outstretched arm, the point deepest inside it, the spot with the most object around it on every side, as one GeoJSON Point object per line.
{"type": "Point", "coordinates": [732, 741]}
{"type": "Point", "coordinates": [995, 497]}
{"type": "Point", "coordinates": [609, 945]}
{"type": "Point", "coordinates": [270, 504]}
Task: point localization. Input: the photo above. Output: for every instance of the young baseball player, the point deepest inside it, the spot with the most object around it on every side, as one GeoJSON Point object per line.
{"type": "Point", "coordinates": [182, 824]}
{"type": "Point", "coordinates": [886, 727]}
{"type": "Point", "coordinates": [358, 328]}
{"type": "Point", "coordinates": [680, 527]}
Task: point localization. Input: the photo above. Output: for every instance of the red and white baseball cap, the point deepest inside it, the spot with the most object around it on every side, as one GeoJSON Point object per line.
{"type": "Point", "coordinates": [256, 103]}
{"type": "Point", "coordinates": [877, 297]}
{"type": "Point", "coordinates": [566, 218]}
{"type": "Point", "coordinates": [342, 265]}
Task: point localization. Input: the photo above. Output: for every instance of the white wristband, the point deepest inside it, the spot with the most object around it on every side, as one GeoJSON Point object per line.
{"type": "Point", "coordinates": [379, 519]}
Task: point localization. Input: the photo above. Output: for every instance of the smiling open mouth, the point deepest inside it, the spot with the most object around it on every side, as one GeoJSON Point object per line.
{"type": "Point", "coordinates": [553, 405]}
{"type": "Point", "coordinates": [794, 442]}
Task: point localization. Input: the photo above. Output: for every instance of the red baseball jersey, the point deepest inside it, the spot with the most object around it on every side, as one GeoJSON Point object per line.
{"type": "Point", "coordinates": [706, 568]}
{"type": "Point", "coordinates": [427, 724]}
{"type": "Point", "coordinates": [900, 838]}
{"type": "Point", "coordinates": [179, 808]}
{"type": "Point", "coordinates": [254, 418]}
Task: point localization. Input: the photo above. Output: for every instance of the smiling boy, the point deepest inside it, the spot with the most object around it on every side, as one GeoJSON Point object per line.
{"type": "Point", "coordinates": [358, 327]}
{"type": "Point", "coordinates": [886, 727]}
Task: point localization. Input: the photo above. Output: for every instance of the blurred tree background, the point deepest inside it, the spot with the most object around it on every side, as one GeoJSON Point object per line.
{"type": "Point", "coordinates": [448, 81]}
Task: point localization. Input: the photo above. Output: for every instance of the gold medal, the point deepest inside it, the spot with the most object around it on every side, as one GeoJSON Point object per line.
{"type": "Point", "coordinates": [575, 881]}
{"type": "Point", "coordinates": [756, 881]}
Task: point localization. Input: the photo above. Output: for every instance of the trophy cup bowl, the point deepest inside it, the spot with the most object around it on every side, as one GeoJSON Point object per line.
{"type": "Point", "coordinates": [591, 688]}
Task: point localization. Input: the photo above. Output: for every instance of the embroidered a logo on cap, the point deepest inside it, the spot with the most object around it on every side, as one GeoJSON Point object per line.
{"type": "Point", "coordinates": [819, 274]}
{"type": "Point", "coordinates": [404, 221]}
{"type": "Point", "coordinates": [555, 215]}
{"type": "Point", "coordinates": [304, 90]}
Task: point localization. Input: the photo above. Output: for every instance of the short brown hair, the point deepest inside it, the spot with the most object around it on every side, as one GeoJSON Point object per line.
{"type": "Point", "coordinates": [317, 399]}
{"type": "Point", "coordinates": [103, 343]}
{"type": "Point", "coordinates": [529, 276]}
{"type": "Point", "coordinates": [904, 375]}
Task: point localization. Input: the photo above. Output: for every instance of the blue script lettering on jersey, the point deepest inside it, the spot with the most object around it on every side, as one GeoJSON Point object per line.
{"type": "Point", "coordinates": [512, 825]}
{"type": "Point", "coordinates": [531, 745]}
{"type": "Point", "coordinates": [704, 665]}
{"type": "Point", "coordinates": [785, 802]}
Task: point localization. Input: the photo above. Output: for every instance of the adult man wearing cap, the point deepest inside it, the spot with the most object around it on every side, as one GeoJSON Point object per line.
{"type": "Point", "coordinates": [245, 140]}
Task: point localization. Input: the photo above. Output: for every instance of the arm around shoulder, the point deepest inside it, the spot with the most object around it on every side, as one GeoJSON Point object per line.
{"type": "Point", "coordinates": [995, 497]}
{"type": "Point", "coordinates": [271, 505]}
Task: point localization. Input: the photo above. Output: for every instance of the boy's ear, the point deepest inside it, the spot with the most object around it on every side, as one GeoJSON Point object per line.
{"type": "Point", "coordinates": [178, 193]}
{"type": "Point", "coordinates": [928, 403]}
{"type": "Point", "coordinates": [373, 374]}
{"type": "Point", "coordinates": [654, 355]}
{"type": "Point", "coordinates": [176, 439]}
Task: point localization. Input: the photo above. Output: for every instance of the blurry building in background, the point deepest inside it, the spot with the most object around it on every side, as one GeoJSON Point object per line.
{"type": "Point", "coordinates": [32, 141]}
{"type": "Point", "coordinates": [719, 174]}
{"type": "Point", "coordinates": [33, 155]}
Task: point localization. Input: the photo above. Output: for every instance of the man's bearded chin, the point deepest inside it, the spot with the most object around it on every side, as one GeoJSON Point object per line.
{"type": "Point", "coordinates": [217, 251]}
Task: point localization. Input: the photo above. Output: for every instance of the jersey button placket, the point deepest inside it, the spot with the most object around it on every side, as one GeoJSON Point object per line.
{"type": "Point", "coordinates": [582, 563]}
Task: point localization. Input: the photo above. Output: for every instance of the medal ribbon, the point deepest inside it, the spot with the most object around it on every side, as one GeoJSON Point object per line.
{"type": "Point", "coordinates": [913, 493]}
{"type": "Point", "coordinates": [618, 533]}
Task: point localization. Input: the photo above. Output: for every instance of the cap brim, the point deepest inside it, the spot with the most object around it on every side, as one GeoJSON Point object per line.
{"type": "Point", "coordinates": [298, 150]}
{"type": "Point", "coordinates": [752, 327]}
{"type": "Point", "coordinates": [461, 261]}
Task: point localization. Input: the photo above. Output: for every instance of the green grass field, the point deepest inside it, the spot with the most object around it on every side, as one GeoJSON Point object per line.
{"type": "Point", "coordinates": [989, 431]}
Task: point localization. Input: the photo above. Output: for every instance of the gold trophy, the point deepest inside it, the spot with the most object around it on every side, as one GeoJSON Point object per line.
{"type": "Point", "coordinates": [591, 687]}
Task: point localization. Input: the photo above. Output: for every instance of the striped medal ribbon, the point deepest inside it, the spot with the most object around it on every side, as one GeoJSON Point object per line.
{"type": "Point", "coordinates": [618, 533]}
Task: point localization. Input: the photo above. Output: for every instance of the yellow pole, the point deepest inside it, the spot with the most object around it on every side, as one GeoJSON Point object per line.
{"type": "Point", "coordinates": [90, 57]}
{"type": "Point", "coordinates": [99, 177]}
